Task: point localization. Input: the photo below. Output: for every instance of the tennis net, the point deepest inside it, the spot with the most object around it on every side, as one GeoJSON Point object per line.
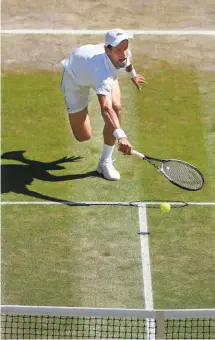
{"type": "Point", "coordinates": [43, 322]}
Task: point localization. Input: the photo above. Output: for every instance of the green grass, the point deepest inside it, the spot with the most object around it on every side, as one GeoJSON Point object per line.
{"type": "Point", "coordinates": [53, 256]}
{"type": "Point", "coordinates": [91, 255]}
{"type": "Point", "coordinates": [182, 252]}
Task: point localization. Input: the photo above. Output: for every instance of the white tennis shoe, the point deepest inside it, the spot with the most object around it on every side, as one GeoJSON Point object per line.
{"type": "Point", "coordinates": [106, 168]}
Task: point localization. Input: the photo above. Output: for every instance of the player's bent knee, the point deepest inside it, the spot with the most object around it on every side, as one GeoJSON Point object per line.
{"type": "Point", "coordinates": [83, 138]}
{"type": "Point", "coordinates": [80, 125]}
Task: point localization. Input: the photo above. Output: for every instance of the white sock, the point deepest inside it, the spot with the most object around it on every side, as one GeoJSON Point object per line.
{"type": "Point", "coordinates": [107, 151]}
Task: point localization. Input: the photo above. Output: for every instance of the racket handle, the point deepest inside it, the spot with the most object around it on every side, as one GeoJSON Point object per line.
{"type": "Point", "coordinates": [138, 154]}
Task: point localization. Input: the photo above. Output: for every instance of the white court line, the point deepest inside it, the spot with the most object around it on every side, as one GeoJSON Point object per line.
{"type": "Point", "coordinates": [146, 269]}
{"type": "Point", "coordinates": [58, 32]}
{"type": "Point", "coordinates": [131, 33]}
{"type": "Point", "coordinates": [137, 203]}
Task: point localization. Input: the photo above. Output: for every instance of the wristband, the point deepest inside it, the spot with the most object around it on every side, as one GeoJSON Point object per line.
{"type": "Point", "coordinates": [119, 133]}
{"type": "Point", "coordinates": [132, 74]}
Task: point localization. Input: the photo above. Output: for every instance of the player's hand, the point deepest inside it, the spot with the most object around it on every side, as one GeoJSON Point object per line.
{"type": "Point", "coordinates": [138, 80]}
{"type": "Point", "coordinates": [124, 146]}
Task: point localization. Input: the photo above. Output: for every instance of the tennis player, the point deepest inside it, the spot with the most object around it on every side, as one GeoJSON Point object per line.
{"type": "Point", "coordinates": [98, 67]}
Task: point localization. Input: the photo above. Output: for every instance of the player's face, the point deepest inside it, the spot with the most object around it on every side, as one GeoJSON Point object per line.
{"type": "Point", "coordinates": [118, 55]}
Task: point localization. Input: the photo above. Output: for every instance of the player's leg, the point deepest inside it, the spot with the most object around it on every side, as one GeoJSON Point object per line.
{"type": "Point", "coordinates": [80, 125]}
{"type": "Point", "coordinates": [105, 166]}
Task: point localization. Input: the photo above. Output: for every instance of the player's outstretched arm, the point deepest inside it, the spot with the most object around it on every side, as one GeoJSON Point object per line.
{"type": "Point", "coordinates": [112, 121]}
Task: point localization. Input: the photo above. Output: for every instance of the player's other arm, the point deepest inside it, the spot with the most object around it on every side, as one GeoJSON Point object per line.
{"type": "Point", "coordinates": [136, 79]}
{"type": "Point", "coordinates": [113, 124]}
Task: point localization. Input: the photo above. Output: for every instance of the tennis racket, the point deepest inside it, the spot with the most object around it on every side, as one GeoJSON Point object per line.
{"type": "Point", "coordinates": [179, 173]}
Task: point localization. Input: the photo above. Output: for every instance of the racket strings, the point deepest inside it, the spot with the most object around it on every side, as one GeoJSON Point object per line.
{"type": "Point", "coordinates": [183, 174]}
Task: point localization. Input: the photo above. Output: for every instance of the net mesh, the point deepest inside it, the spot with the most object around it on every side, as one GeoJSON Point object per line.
{"type": "Point", "coordinates": [190, 328]}
{"type": "Point", "coordinates": [183, 174]}
{"type": "Point", "coordinates": [71, 327]}
{"type": "Point", "coordinates": [53, 327]}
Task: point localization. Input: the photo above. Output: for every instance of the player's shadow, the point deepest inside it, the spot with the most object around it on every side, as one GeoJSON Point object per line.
{"type": "Point", "coordinates": [17, 177]}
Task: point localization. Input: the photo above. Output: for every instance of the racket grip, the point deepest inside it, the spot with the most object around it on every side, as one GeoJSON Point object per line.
{"type": "Point", "coordinates": [138, 154]}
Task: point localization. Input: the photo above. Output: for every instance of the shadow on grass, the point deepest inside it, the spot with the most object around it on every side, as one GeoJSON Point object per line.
{"type": "Point", "coordinates": [16, 177]}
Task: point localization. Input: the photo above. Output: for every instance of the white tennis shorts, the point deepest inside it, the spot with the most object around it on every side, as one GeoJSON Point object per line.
{"type": "Point", "coordinates": [76, 98]}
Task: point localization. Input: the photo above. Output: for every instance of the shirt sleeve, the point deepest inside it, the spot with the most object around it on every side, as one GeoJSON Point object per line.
{"type": "Point", "coordinates": [104, 87]}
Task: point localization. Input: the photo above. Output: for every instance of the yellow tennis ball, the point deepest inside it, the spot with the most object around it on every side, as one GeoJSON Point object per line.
{"type": "Point", "coordinates": [165, 207]}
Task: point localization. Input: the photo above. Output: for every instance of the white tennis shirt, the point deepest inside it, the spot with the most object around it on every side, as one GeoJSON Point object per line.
{"type": "Point", "coordinates": [89, 66]}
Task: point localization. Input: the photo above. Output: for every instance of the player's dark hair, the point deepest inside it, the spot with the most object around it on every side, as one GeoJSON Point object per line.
{"type": "Point", "coordinates": [109, 46]}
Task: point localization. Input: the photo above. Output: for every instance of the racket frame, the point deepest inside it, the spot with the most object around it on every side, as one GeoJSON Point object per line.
{"type": "Point", "coordinates": [159, 168]}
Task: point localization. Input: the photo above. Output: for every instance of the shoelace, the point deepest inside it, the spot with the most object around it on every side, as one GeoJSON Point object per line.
{"type": "Point", "coordinates": [109, 160]}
